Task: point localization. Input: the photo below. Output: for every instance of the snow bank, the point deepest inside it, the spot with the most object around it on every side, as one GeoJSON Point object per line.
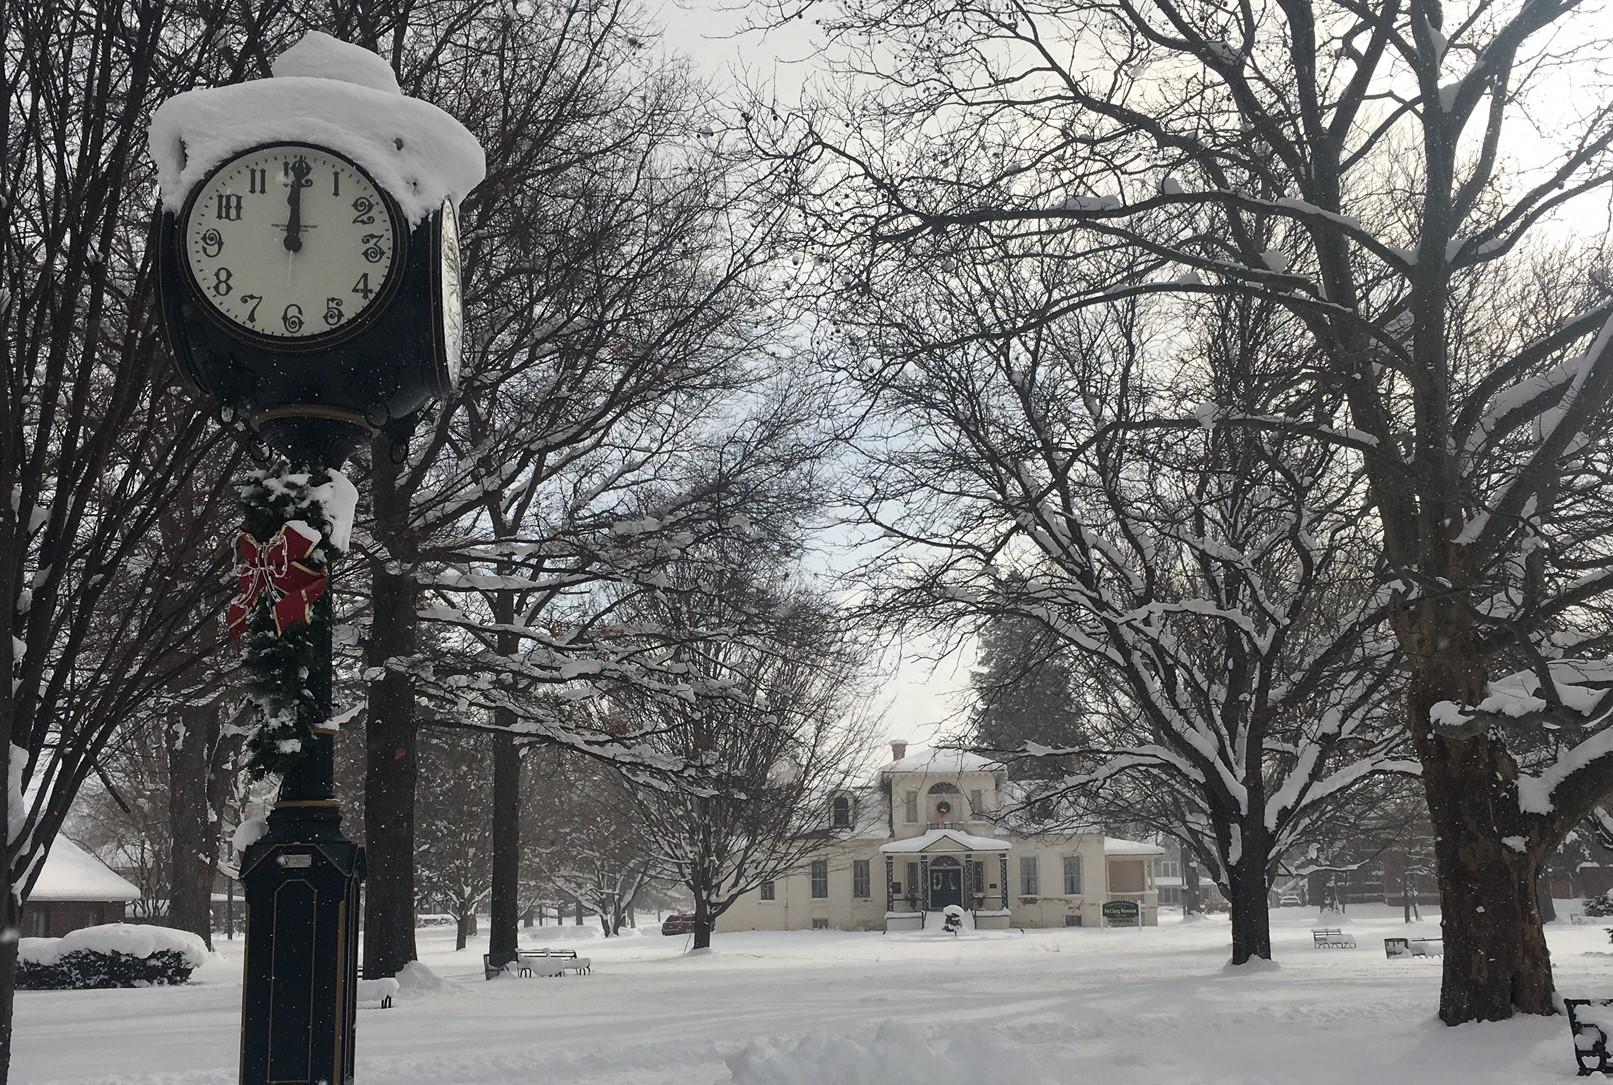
{"type": "Point", "coordinates": [417, 977]}
{"type": "Point", "coordinates": [898, 1054]}
{"type": "Point", "coordinates": [331, 93]}
{"type": "Point", "coordinates": [135, 939]}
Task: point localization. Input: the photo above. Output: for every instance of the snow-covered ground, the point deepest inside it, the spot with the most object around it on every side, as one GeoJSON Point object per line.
{"type": "Point", "coordinates": [1067, 1006]}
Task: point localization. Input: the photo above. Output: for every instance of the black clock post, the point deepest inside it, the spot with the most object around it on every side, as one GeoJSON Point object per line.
{"type": "Point", "coordinates": [295, 290]}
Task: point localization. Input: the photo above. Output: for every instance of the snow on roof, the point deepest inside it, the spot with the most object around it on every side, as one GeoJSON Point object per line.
{"type": "Point", "coordinates": [942, 761]}
{"type": "Point", "coordinates": [1114, 845]}
{"type": "Point", "coordinates": [956, 837]}
{"type": "Point", "coordinates": [71, 873]}
{"type": "Point", "coordinates": [327, 92]}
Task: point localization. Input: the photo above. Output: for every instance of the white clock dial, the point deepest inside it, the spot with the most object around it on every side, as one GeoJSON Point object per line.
{"type": "Point", "coordinates": [453, 316]}
{"type": "Point", "coordinates": [290, 242]}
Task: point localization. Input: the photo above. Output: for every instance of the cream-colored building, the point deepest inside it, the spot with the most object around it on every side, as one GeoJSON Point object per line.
{"type": "Point", "coordinates": [925, 834]}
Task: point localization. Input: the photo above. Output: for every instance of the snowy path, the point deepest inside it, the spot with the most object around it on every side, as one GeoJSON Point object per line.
{"type": "Point", "coordinates": [1070, 1006]}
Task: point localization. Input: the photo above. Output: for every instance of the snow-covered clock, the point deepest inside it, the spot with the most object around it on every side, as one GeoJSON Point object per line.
{"type": "Point", "coordinates": [293, 244]}
{"type": "Point", "coordinates": [308, 243]}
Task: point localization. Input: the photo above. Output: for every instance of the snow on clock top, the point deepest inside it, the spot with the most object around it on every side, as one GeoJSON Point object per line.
{"type": "Point", "coordinates": [331, 93]}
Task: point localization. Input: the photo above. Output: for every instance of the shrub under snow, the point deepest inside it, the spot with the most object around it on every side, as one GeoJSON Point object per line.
{"type": "Point", "coordinates": [111, 955]}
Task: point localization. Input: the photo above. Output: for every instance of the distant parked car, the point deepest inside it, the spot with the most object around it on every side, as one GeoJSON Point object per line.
{"type": "Point", "coordinates": [678, 924]}
{"type": "Point", "coordinates": [1288, 901]}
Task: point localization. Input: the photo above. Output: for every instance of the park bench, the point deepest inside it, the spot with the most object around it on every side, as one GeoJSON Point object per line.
{"type": "Point", "coordinates": [381, 989]}
{"type": "Point", "coordinates": [1591, 1021]}
{"type": "Point", "coordinates": [1331, 938]}
{"type": "Point", "coordinates": [540, 962]}
{"type": "Point", "coordinates": [1413, 947]}
{"type": "Point", "coordinates": [552, 962]}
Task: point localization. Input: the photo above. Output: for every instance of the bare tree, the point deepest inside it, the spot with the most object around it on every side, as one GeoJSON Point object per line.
{"type": "Point", "coordinates": [1349, 164]}
{"type": "Point", "coordinates": [98, 611]}
{"type": "Point", "coordinates": [590, 850]}
{"type": "Point", "coordinates": [455, 839]}
{"type": "Point", "coordinates": [774, 738]}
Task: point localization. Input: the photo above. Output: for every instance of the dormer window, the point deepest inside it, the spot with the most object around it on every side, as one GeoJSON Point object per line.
{"type": "Point", "coordinates": [840, 812]}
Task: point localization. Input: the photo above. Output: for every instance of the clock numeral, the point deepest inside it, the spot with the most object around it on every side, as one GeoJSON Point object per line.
{"type": "Point", "coordinates": [291, 318]}
{"type": "Point", "coordinates": [258, 177]}
{"type": "Point", "coordinates": [364, 211]}
{"type": "Point", "coordinates": [252, 313]}
{"type": "Point", "coordinates": [221, 282]}
{"type": "Point", "coordinates": [212, 242]}
{"type": "Point", "coordinates": [333, 312]}
{"type": "Point", "coordinates": [372, 247]}
{"type": "Point", "coordinates": [335, 182]}
{"type": "Point", "coordinates": [362, 287]}
{"type": "Point", "coordinates": [229, 206]}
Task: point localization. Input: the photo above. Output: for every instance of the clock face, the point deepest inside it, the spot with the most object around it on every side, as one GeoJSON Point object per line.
{"type": "Point", "coordinates": [291, 243]}
{"type": "Point", "coordinates": [449, 296]}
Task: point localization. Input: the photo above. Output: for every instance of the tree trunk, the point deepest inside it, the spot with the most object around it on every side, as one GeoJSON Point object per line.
{"type": "Point", "coordinates": [504, 933]}
{"type": "Point", "coordinates": [1548, 909]}
{"type": "Point", "coordinates": [702, 921]}
{"type": "Point", "coordinates": [193, 838]}
{"type": "Point", "coordinates": [462, 931]}
{"type": "Point", "coordinates": [12, 920]}
{"type": "Point", "coordinates": [1192, 898]}
{"type": "Point", "coordinates": [391, 764]}
{"type": "Point", "coordinates": [1251, 910]}
{"type": "Point", "coordinates": [1496, 961]}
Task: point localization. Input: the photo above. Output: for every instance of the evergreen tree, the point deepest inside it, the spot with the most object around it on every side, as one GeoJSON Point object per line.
{"type": "Point", "coordinates": [1027, 695]}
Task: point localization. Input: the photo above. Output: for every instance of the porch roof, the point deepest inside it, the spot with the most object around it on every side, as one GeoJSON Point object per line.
{"type": "Point", "coordinates": [1115, 846]}
{"type": "Point", "coordinates": [944, 840]}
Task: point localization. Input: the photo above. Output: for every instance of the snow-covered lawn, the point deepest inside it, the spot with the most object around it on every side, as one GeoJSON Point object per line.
{"type": "Point", "coordinates": [1067, 1006]}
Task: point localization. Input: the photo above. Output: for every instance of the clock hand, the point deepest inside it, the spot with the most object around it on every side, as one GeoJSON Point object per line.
{"type": "Point", "coordinates": [299, 181]}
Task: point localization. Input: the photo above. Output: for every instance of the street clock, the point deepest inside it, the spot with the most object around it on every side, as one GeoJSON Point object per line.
{"type": "Point", "coordinates": [307, 255]}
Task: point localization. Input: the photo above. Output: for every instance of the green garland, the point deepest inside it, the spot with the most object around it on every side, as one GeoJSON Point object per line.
{"type": "Point", "coordinates": [277, 667]}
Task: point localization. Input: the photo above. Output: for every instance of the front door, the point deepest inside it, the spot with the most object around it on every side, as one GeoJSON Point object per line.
{"type": "Point", "coordinates": [946, 887]}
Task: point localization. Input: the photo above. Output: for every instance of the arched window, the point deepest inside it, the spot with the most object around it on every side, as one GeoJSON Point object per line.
{"type": "Point", "coordinates": [840, 812]}
{"type": "Point", "coordinates": [945, 800]}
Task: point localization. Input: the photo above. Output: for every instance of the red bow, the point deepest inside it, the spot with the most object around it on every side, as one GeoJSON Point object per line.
{"type": "Point", "coordinates": [275, 567]}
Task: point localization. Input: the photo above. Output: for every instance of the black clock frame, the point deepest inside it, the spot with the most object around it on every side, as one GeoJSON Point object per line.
{"type": "Point", "coordinates": [323, 340]}
{"type": "Point", "coordinates": [383, 366]}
